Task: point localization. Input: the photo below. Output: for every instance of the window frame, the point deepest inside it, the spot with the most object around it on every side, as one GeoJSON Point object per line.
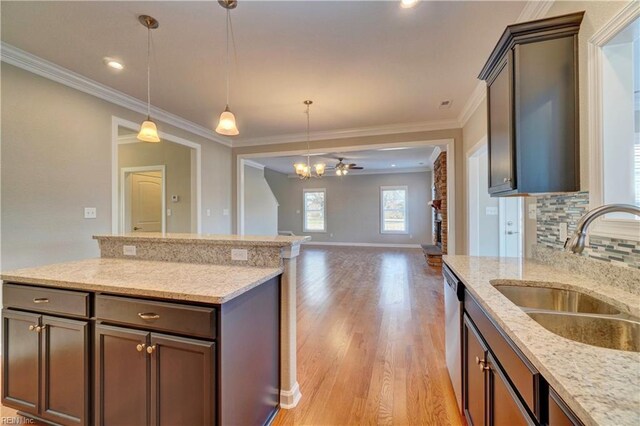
{"type": "Point", "coordinates": [625, 229]}
{"type": "Point", "coordinates": [304, 210]}
{"type": "Point", "coordinates": [405, 188]}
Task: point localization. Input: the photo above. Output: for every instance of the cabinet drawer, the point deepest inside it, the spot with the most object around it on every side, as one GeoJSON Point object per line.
{"type": "Point", "coordinates": [170, 317]}
{"type": "Point", "coordinates": [524, 377]}
{"type": "Point", "coordinates": [42, 299]}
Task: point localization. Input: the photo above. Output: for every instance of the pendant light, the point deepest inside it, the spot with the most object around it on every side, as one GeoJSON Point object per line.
{"type": "Point", "coordinates": [304, 171]}
{"type": "Point", "coordinates": [148, 130]}
{"type": "Point", "coordinates": [227, 124]}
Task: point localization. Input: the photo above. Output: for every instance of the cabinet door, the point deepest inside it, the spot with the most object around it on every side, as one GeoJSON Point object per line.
{"type": "Point", "coordinates": [121, 376]}
{"type": "Point", "coordinates": [504, 406]}
{"type": "Point", "coordinates": [182, 381]}
{"type": "Point", "coordinates": [64, 393]}
{"type": "Point", "coordinates": [501, 147]}
{"type": "Point", "coordinates": [20, 361]}
{"type": "Point", "coordinates": [559, 413]}
{"type": "Point", "coordinates": [474, 385]}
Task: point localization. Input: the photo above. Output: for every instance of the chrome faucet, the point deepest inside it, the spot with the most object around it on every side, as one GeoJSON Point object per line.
{"type": "Point", "coordinates": [576, 243]}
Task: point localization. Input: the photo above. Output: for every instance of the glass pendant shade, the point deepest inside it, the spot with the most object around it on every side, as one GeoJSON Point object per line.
{"type": "Point", "coordinates": [148, 132]}
{"type": "Point", "coordinates": [320, 168]}
{"type": "Point", "coordinates": [227, 124]}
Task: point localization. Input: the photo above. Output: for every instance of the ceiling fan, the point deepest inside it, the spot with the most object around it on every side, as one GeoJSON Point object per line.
{"type": "Point", "coordinates": [343, 168]}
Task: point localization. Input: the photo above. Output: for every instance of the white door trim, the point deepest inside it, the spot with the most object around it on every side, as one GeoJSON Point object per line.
{"type": "Point", "coordinates": [121, 122]}
{"type": "Point", "coordinates": [471, 154]}
{"type": "Point", "coordinates": [123, 175]}
{"type": "Point", "coordinates": [451, 177]}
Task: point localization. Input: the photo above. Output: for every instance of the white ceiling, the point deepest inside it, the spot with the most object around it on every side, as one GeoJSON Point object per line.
{"type": "Point", "coordinates": [364, 64]}
{"type": "Point", "coordinates": [397, 160]}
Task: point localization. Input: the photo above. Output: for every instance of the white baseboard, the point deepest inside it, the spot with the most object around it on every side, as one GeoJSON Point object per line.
{"type": "Point", "coordinates": [290, 398]}
{"type": "Point", "coordinates": [329, 243]}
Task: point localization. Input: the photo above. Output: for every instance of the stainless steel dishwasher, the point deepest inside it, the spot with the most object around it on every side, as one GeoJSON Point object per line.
{"type": "Point", "coordinates": [453, 294]}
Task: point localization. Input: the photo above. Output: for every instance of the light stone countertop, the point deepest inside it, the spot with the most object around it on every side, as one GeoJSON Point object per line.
{"type": "Point", "coordinates": [601, 386]}
{"type": "Point", "coordinates": [167, 280]}
{"type": "Point", "coordinates": [275, 241]}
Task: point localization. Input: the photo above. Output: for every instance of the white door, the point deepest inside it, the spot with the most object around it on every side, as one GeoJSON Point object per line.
{"type": "Point", "coordinates": [146, 202]}
{"type": "Point", "coordinates": [511, 227]}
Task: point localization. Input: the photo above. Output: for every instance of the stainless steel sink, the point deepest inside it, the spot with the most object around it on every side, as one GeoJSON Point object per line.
{"type": "Point", "coordinates": [606, 332]}
{"type": "Point", "coordinates": [555, 299]}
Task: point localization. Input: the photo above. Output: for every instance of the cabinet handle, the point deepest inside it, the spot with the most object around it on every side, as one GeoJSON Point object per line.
{"type": "Point", "coordinates": [40, 328]}
{"type": "Point", "coordinates": [151, 349]}
{"type": "Point", "coordinates": [505, 180]}
{"type": "Point", "coordinates": [41, 300]}
{"type": "Point", "coordinates": [32, 327]}
{"type": "Point", "coordinates": [140, 347]}
{"type": "Point", "coordinates": [148, 316]}
{"type": "Point", "coordinates": [483, 364]}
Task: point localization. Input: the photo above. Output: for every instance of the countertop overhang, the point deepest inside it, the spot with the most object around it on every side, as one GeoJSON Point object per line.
{"type": "Point", "coordinates": [602, 386]}
{"type": "Point", "coordinates": [212, 239]}
{"type": "Point", "coordinates": [204, 283]}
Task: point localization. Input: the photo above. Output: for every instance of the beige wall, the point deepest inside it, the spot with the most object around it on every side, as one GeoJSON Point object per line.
{"type": "Point", "coordinates": [177, 161]}
{"type": "Point", "coordinates": [353, 207]}
{"type": "Point", "coordinates": [260, 204]}
{"type": "Point", "coordinates": [56, 160]}
{"type": "Point", "coordinates": [333, 144]}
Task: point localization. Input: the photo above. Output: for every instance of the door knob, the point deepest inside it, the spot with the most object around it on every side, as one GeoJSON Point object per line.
{"type": "Point", "coordinates": [140, 347]}
{"type": "Point", "coordinates": [511, 232]}
{"type": "Point", "coordinates": [137, 228]}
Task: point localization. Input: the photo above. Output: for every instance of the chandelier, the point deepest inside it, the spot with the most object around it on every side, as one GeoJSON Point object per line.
{"type": "Point", "coordinates": [304, 170]}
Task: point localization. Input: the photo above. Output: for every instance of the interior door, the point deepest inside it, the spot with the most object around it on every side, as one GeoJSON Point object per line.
{"type": "Point", "coordinates": [511, 227]}
{"type": "Point", "coordinates": [146, 201]}
{"type": "Point", "coordinates": [65, 371]}
{"type": "Point", "coordinates": [121, 376]}
{"type": "Point", "coordinates": [20, 360]}
{"type": "Point", "coordinates": [182, 381]}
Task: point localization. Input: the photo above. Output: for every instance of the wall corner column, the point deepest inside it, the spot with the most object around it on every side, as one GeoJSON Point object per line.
{"type": "Point", "coordinates": [289, 389]}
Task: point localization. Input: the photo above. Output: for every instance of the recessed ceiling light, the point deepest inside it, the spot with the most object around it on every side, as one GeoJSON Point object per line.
{"type": "Point", "coordinates": [112, 63]}
{"type": "Point", "coordinates": [406, 4]}
{"type": "Point", "coordinates": [393, 165]}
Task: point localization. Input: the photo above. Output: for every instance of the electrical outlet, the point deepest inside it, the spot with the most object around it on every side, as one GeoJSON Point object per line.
{"type": "Point", "coordinates": [532, 210]}
{"type": "Point", "coordinates": [129, 250]}
{"type": "Point", "coordinates": [168, 212]}
{"type": "Point", "coordinates": [491, 211]}
{"type": "Point", "coordinates": [239, 254]}
{"type": "Point", "coordinates": [225, 212]}
{"type": "Point", "coordinates": [208, 212]}
{"type": "Point", "coordinates": [563, 232]}
{"type": "Point", "coordinates": [90, 213]}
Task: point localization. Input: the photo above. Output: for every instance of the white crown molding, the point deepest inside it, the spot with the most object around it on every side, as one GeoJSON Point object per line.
{"type": "Point", "coordinates": [622, 19]}
{"type": "Point", "coordinates": [253, 164]}
{"type": "Point", "coordinates": [535, 9]}
{"type": "Point", "coordinates": [350, 133]}
{"type": "Point", "coordinates": [371, 172]}
{"type": "Point", "coordinates": [34, 64]}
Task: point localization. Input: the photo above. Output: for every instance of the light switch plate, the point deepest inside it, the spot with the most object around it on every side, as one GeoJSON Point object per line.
{"type": "Point", "coordinates": [239, 254]}
{"type": "Point", "coordinates": [208, 212]}
{"type": "Point", "coordinates": [532, 210]}
{"type": "Point", "coordinates": [168, 212]}
{"type": "Point", "coordinates": [129, 250]}
{"type": "Point", "coordinates": [90, 213]}
{"type": "Point", "coordinates": [225, 212]}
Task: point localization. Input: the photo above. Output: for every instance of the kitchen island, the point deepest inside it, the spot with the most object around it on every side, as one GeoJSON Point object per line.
{"type": "Point", "coordinates": [135, 340]}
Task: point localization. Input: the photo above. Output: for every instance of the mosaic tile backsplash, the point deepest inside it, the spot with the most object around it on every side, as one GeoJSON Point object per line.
{"type": "Point", "coordinates": [555, 209]}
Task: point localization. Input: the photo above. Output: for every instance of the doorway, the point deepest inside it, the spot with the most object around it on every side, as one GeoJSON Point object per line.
{"type": "Point", "coordinates": [143, 199]}
{"type": "Point", "coordinates": [495, 224]}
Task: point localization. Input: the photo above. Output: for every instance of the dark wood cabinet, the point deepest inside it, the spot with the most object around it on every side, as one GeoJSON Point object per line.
{"type": "Point", "coordinates": [559, 413]}
{"type": "Point", "coordinates": [46, 367]}
{"type": "Point", "coordinates": [153, 379]}
{"type": "Point", "coordinates": [532, 106]}
{"type": "Point", "coordinates": [489, 397]}
{"type": "Point", "coordinates": [122, 377]}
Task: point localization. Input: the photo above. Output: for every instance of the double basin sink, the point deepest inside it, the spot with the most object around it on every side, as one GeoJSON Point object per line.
{"type": "Point", "coordinates": [576, 316]}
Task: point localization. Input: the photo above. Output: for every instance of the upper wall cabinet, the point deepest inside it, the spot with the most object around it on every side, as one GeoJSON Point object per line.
{"type": "Point", "coordinates": [532, 101]}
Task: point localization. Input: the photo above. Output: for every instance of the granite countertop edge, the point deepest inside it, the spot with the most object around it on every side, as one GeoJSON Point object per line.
{"type": "Point", "coordinates": [595, 402]}
{"type": "Point", "coordinates": [205, 239]}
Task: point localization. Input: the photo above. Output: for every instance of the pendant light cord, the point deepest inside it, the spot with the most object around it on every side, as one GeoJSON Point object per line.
{"type": "Point", "coordinates": [227, 57]}
{"type": "Point", "coordinates": [308, 146]}
{"type": "Point", "coordinates": [148, 73]}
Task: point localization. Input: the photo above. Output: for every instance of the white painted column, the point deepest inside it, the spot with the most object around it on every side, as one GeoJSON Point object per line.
{"type": "Point", "coordinates": [289, 388]}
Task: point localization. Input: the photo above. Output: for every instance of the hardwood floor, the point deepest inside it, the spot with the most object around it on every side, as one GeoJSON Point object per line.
{"type": "Point", "coordinates": [370, 340]}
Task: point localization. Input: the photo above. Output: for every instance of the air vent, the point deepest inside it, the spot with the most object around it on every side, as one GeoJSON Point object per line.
{"type": "Point", "coordinates": [446, 104]}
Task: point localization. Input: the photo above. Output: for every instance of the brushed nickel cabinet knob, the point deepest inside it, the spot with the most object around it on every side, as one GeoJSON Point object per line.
{"type": "Point", "coordinates": [151, 349]}
{"type": "Point", "coordinates": [140, 347]}
{"type": "Point", "coordinates": [32, 327]}
{"type": "Point", "coordinates": [40, 328]}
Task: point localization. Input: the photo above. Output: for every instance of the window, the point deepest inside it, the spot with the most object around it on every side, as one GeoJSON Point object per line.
{"type": "Point", "coordinates": [614, 83]}
{"type": "Point", "coordinates": [315, 207]}
{"type": "Point", "coordinates": [393, 210]}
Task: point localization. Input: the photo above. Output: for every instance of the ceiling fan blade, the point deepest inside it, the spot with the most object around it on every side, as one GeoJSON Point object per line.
{"type": "Point", "coordinates": [356, 168]}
